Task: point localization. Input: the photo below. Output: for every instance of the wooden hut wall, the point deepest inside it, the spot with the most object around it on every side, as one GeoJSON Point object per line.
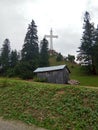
{"type": "Point", "coordinates": [66, 75]}
{"type": "Point", "coordinates": [60, 76]}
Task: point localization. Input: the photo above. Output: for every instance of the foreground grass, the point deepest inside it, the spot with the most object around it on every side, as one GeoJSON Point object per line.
{"type": "Point", "coordinates": [55, 107]}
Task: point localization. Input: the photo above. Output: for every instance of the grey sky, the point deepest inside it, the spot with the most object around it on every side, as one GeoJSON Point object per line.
{"type": "Point", "coordinates": [64, 16]}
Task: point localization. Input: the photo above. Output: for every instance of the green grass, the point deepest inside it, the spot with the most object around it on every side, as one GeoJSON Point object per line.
{"type": "Point", "coordinates": [76, 73]}
{"type": "Point", "coordinates": [52, 106]}
{"type": "Point", "coordinates": [52, 61]}
{"type": "Point", "coordinates": [85, 80]}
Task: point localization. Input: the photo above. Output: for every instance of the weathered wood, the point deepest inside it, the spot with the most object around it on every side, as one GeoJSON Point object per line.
{"type": "Point", "coordinates": [55, 76]}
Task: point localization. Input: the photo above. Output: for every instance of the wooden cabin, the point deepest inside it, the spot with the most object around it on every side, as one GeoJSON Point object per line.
{"type": "Point", "coordinates": [54, 74]}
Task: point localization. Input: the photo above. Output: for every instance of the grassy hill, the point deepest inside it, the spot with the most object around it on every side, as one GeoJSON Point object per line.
{"type": "Point", "coordinates": [52, 106]}
{"type": "Point", "coordinates": [76, 73]}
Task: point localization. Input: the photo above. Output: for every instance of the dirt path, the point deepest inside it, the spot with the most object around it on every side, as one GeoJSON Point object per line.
{"type": "Point", "coordinates": [15, 125]}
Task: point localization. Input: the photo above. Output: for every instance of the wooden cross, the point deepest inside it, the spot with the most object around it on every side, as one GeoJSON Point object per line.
{"type": "Point", "coordinates": [51, 36]}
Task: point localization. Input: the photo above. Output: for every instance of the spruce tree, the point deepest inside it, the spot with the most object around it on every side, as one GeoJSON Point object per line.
{"type": "Point", "coordinates": [5, 55]}
{"type": "Point", "coordinates": [44, 55]}
{"type": "Point", "coordinates": [30, 50]}
{"type": "Point", "coordinates": [86, 50]}
{"type": "Point", "coordinates": [96, 49]}
{"type": "Point", "coordinates": [13, 58]}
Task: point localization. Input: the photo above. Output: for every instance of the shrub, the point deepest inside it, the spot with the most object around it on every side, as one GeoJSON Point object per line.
{"type": "Point", "coordinates": [24, 70]}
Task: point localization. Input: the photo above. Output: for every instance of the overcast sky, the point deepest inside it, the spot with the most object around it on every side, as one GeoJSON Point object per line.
{"type": "Point", "coordinates": [65, 17]}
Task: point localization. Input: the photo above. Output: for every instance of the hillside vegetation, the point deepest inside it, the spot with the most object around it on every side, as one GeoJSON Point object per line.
{"type": "Point", "coordinates": [77, 72]}
{"type": "Point", "coordinates": [52, 106]}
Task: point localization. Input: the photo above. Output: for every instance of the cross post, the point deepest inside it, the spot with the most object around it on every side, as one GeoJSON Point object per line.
{"type": "Point", "coordinates": [51, 36]}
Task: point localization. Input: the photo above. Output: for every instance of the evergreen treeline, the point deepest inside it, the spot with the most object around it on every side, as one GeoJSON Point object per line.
{"type": "Point", "coordinates": [23, 63]}
{"type": "Point", "coordinates": [88, 51]}
{"type": "Point", "coordinates": [13, 63]}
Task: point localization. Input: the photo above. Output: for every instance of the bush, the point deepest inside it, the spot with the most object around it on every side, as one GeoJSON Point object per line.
{"type": "Point", "coordinates": [59, 57]}
{"type": "Point", "coordinates": [24, 70]}
{"type": "Point", "coordinates": [86, 70]}
{"type": "Point", "coordinates": [10, 72]}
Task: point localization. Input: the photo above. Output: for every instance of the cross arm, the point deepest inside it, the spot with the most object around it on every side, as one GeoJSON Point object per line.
{"type": "Point", "coordinates": [47, 36]}
{"type": "Point", "coordinates": [53, 36]}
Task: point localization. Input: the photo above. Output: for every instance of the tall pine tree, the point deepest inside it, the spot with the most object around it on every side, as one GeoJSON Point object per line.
{"type": "Point", "coordinates": [5, 55]}
{"type": "Point", "coordinates": [96, 49]}
{"type": "Point", "coordinates": [44, 55]}
{"type": "Point", "coordinates": [30, 51]}
{"type": "Point", "coordinates": [86, 50]}
{"type": "Point", "coordinates": [13, 58]}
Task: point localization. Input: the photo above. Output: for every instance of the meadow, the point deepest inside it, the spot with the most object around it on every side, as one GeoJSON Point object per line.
{"type": "Point", "coordinates": [51, 106]}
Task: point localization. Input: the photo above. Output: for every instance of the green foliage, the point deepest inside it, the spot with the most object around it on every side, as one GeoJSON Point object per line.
{"type": "Point", "coordinates": [24, 70]}
{"type": "Point", "coordinates": [30, 56]}
{"type": "Point", "coordinates": [95, 48]}
{"type": "Point", "coordinates": [86, 70]}
{"type": "Point", "coordinates": [30, 53]}
{"type": "Point", "coordinates": [8, 60]}
{"type": "Point", "coordinates": [85, 79]}
{"type": "Point", "coordinates": [11, 72]}
{"type": "Point", "coordinates": [59, 57]}
{"type": "Point", "coordinates": [87, 43]}
{"type": "Point", "coordinates": [44, 55]}
{"type": "Point", "coordinates": [13, 58]}
{"type": "Point", "coordinates": [5, 55]}
{"type": "Point", "coordinates": [71, 58]}
{"type": "Point", "coordinates": [54, 107]}
{"type": "Point", "coordinates": [30, 50]}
